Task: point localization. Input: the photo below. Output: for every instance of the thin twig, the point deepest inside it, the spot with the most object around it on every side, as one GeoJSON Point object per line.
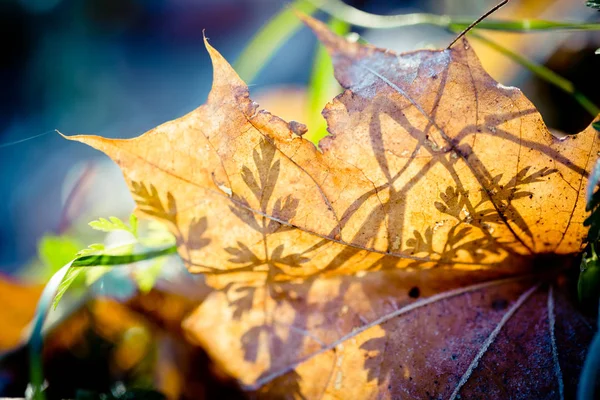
{"type": "Point", "coordinates": [478, 20]}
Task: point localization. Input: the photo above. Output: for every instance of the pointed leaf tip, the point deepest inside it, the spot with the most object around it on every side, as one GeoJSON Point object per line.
{"type": "Point", "coordinates": [223, 73]}
{"type": "Point", "coordinates": [332, 41]}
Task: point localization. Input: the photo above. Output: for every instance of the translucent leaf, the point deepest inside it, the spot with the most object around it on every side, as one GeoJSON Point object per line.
{"type": "Point", "coordinates": [113, 224]}
{"type": "Point", "coordinates": [56, 251]}
{"type": "Point", "coordinates": [67, 281]}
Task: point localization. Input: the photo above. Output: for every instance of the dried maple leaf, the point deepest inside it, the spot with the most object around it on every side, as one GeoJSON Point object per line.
{"type": "Point", "coordinates": [423, 251]}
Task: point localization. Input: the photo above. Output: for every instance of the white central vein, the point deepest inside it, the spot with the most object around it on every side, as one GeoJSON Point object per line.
{"type": "Point", "coordinates": [552, 324]}
{"type": "Point", "coordinates": [355, 332]}
{"type": "Point", "coordinates": [490, 339]}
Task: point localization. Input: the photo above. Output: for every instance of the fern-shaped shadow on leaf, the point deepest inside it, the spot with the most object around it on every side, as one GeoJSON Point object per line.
{"type": "Point", "coordinates": [149, 202]}
{"type": "Point", "coordinates": [504, 195]}
{"type": "Point", "coordinates": [272, 261]}
{"type": "Point", "coordinates": [472, 231]}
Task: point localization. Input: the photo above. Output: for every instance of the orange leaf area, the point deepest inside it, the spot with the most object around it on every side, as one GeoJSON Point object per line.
{"type": "Point", "coordinates": [18, 307]}
{"type": "Point", "coordinates": [422, 250]}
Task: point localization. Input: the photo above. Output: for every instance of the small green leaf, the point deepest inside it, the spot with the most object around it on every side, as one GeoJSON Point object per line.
{"type": "Point", "coordinates": [133, 224]}
{"type": "Point", "coordinates": [588, 286]}
{"type": "Point", "coordinates": [596, 124]}
{"type": "Point", "coordinates": [109, 225]}
{"type": "Point", "coordinates": [69, 278]}
{"type": "Point", "coordinates": [91, 249]}
{"type": "Point", "coordinates": [74, 272]}
{"type": "Point", "coordinates": [115, 224]}
{"type": "Point", "coordinates": [56, 251]}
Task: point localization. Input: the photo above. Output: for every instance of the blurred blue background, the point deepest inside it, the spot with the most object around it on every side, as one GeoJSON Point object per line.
{"type": "Point", "coordinates": [114, 68]}
{"type": "Point", "coordinates": [117, 68]}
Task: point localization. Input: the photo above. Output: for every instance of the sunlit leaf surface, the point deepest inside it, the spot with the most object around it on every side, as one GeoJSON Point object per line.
{"type": "Point", "coordinates": [424, 250]}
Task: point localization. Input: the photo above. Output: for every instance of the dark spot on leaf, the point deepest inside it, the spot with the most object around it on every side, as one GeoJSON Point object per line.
{"type": "Point", "coordinates": [414, 293]}
{"type": "Point", "coordinates": [499, 304]}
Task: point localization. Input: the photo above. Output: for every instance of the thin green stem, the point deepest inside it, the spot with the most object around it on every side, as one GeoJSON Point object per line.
{"type": "Point", "coordinates": [45, 302]}
{"type": "Point", "coordinates": [354, 16]}
{"type": "Point", "coordinates": [270, 38]}
{"type": "Point", "coordinates": [36, 340]}
{"type": "Point", "coordinates": [111, 260]}
{"type": "Point", "coordinates": [542, 72]}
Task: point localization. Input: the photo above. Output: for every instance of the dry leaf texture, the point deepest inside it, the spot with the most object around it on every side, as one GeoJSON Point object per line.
{"type": "Point", "coordinates": [419, 252]}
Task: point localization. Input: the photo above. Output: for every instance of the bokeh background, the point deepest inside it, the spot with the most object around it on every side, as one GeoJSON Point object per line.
{"type": "Point", "coordinates": [118, 68]}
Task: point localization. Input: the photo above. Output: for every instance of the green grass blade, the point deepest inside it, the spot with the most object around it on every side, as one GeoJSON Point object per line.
{"type": "Point", "coordinates": [94, 260]}
{"type": "Point", "coordinates": [354, 16]}
{"type": "Point", "coordinates": [36, 372]}
{"type": "Point", "coordinates": [65, 283]}
{"type": "Point", "coordinates": [54, 290]}
{"type": "Point", "coordinates": [270, 38]}
{"type": "Point", "coordinates": [106, 260]}
{"type": "Point", "coordinates": [525, 25]}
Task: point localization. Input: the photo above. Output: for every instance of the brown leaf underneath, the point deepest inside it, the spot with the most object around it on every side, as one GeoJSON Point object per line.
{"type": "Point", "coordinates": [18, 307]}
